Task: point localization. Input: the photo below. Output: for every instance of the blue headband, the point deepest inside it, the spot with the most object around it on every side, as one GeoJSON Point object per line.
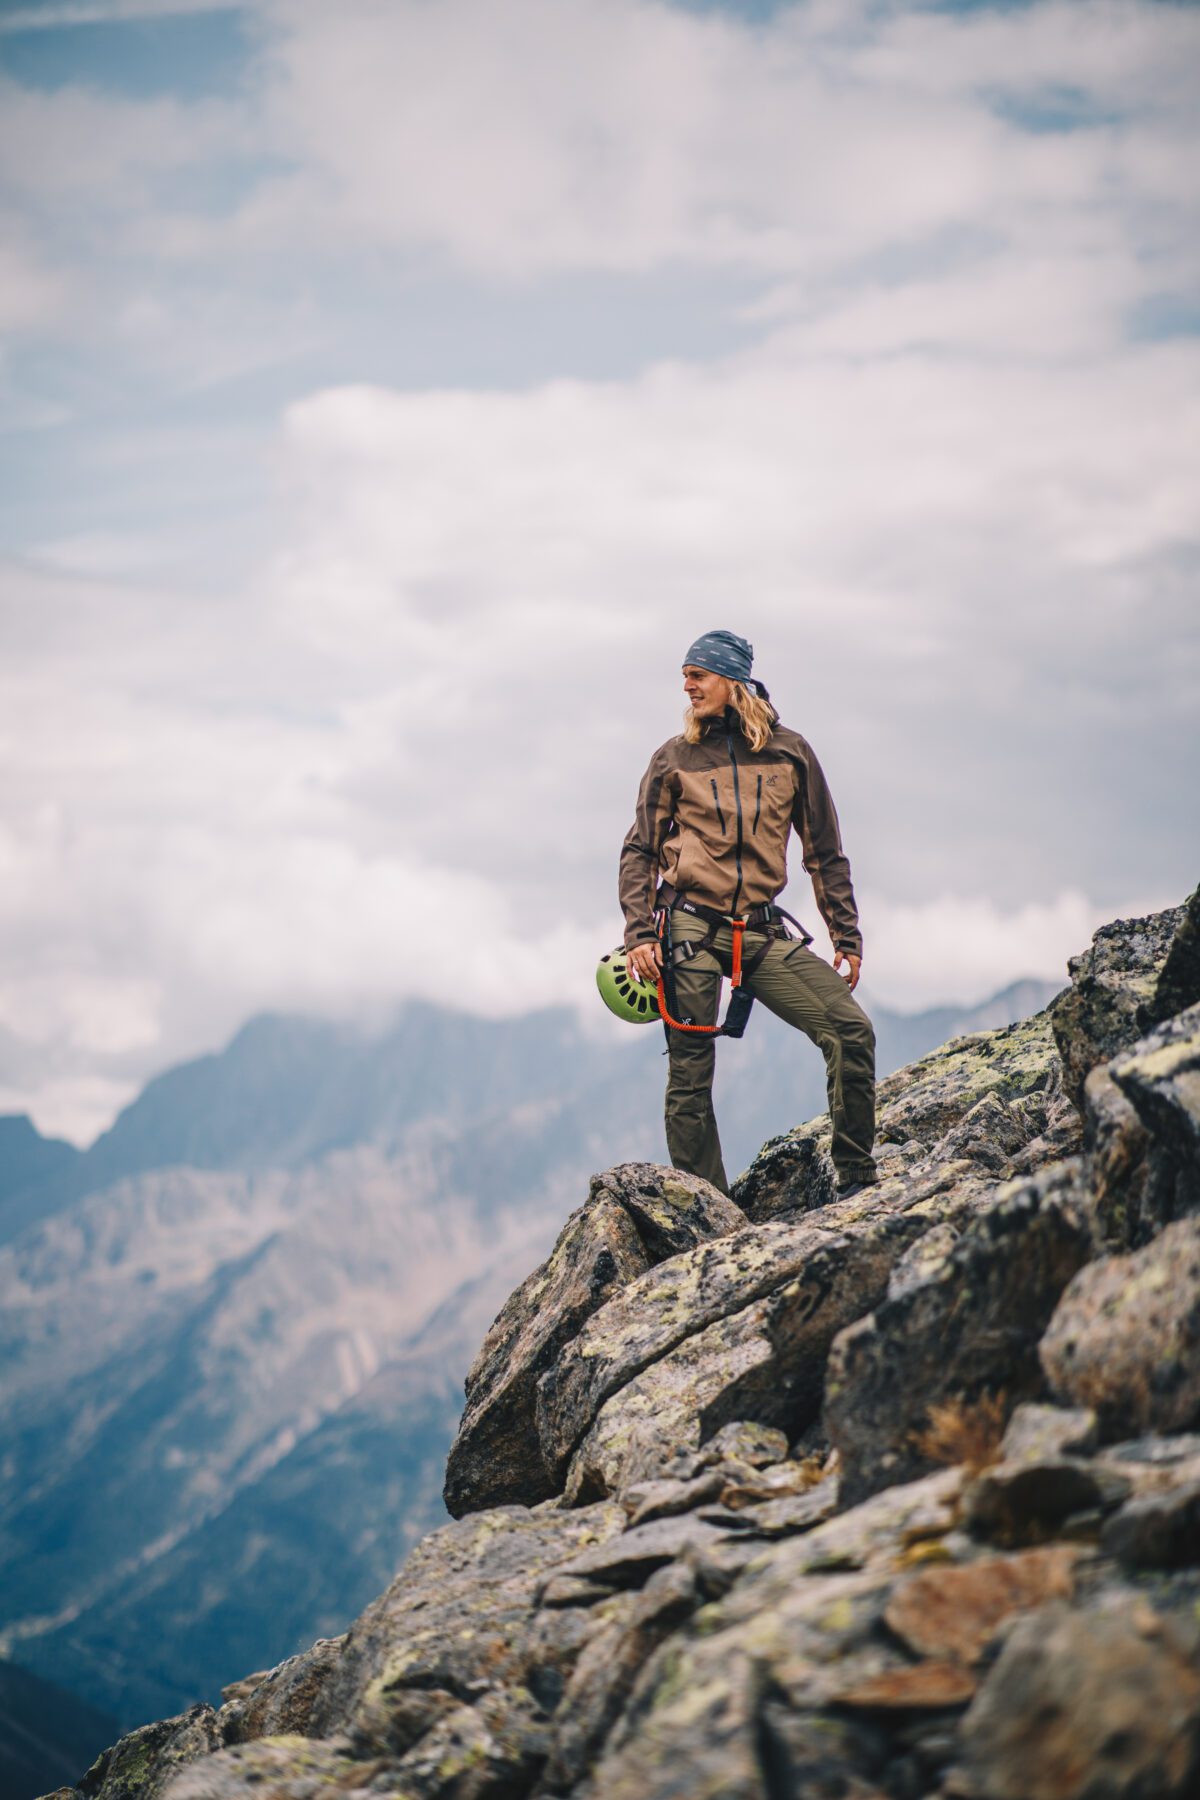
{"type": "Point", "coordinates": [722, 653]}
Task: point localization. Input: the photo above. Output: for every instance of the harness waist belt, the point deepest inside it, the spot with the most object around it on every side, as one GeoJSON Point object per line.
{"type": "Point", "coordinates": [757, 918]}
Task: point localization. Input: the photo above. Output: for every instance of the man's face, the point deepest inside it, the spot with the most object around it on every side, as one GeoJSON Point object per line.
{"type": "Point", "coordinates": [708, 694]}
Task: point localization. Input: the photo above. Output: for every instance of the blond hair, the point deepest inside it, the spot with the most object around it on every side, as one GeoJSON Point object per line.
{"type": "Point", "coordinates": [756, 717]}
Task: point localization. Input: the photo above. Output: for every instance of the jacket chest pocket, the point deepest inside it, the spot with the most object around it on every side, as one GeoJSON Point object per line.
{"type": "Point", "coordinates": [769, 798]}
{"type": "Point", "coordinates": [720, 811]}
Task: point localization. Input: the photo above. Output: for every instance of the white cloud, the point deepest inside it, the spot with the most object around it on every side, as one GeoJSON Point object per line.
{"type": "Point", "coordinates": [963, 947]}
{"type": "Point", "coordinates": [105, 554]}
{"type": "Point", "coordinates": [619, 134]}
{"type": "Point", "coordinates": [31, 291]}
{"type": "Point", "coordinates": [627, 135]}
{"type": "Point", "coordinates": [857, 161]}
{"type": "Point", "coordinates": [95, 1013]}
{"type": "Point", "coordinates": [76, 142]}
{"type": "Point", "coordinates": [56, 17]}
{"type": "Point", "coordinates": [76, 1106]}
{"type": "Point", "coordinates": [1128, 55]}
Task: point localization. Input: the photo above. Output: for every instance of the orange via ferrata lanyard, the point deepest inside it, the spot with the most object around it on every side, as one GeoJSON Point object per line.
{"type": "Point", "coordinates": [737, 926]}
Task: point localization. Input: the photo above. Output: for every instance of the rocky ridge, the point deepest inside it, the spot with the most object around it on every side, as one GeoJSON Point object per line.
{"type": "Point", "coordinates": [791, 1495]}
{"type": "Point", "coordinates": [233, 1364]}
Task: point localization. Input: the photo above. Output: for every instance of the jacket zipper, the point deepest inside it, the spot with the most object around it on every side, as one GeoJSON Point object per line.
{"type": "Point", "coordinates": [757, 808]}
{"type": "Point", "coordinates": [737, 800]}
{"type": "Point", "coordinates": [717, 804]}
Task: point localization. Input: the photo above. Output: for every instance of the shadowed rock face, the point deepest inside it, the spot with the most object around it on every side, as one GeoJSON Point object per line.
{"type": "Point", "coordinates": [1136, 973]}
{"type": "Point", "coordinates": [1116, 1146]}
{"type": "Point", "coordinates": [1125, 1339]}
{"type": "Point", "coordinates": [667, 1585]}
{"type": "Point", "coordinates": [969, 1326]}
{"type": "Point", "coordinates": [634, 1216]}
{"type": "Point", "coordinates": [1178, 985]}
{"type": "Point", "coordinates": [1160, 1077]}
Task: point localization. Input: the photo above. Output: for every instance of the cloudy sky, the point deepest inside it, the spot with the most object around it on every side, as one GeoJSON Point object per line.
{"type": "Point", "coordinates": [392, 390]}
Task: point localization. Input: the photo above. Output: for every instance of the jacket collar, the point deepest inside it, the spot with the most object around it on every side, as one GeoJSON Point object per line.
{"type": "Point", "coordinates": [727, 722]}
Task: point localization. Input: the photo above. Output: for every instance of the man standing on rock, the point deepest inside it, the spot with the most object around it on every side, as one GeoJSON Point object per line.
{"type": "Point", "coordinates": [708, 845]}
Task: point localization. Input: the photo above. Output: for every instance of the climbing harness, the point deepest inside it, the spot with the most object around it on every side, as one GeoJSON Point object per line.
{"type": "Point", "coordinates": [768, 919]}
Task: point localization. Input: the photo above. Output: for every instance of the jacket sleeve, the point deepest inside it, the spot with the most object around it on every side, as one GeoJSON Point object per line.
{"type": "Point", "coordinates": [825, 862]}
{"type": "Point", "coordinates": [637, 879]}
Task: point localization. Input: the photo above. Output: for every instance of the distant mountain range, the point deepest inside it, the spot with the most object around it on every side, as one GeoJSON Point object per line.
{"type": "Point", "coordinates": [237, 1325]}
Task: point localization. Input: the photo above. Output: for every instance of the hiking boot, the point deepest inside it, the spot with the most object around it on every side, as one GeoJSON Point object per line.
{"type": "Point", "coordinates": [847, 1189]}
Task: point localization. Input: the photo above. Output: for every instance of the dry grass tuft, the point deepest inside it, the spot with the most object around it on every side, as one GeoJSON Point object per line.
{"type": "Point", "coordinates": [965, 1431]}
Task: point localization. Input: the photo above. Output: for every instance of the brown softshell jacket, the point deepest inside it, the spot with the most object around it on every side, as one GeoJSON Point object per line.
{"type": "Point", "coordinates": [713, 820]}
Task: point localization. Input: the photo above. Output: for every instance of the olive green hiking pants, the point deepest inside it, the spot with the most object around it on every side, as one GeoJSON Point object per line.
{"type": "Point", "coordinates": [800, 988]}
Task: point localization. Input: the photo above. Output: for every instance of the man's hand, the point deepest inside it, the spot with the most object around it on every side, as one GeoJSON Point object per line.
{"type": "Point", "coordinates": [854, 965]}
{"type": "Point", "coordinates": [645, 960]}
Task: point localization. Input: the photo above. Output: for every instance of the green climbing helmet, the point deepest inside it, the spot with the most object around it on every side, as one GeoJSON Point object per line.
{"type": "Point", "coordinates": [631, 1000]}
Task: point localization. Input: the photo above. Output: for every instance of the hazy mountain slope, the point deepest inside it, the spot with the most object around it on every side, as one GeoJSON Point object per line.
{"type": "Point", "coordinates": [206, 1387]}
{"type": "Point", "coordinates": [27, 1162]}
{"type": "Point", "coordinates": [288, 1091]}
{"type": "Point", "coordinates": [313, 1536]}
